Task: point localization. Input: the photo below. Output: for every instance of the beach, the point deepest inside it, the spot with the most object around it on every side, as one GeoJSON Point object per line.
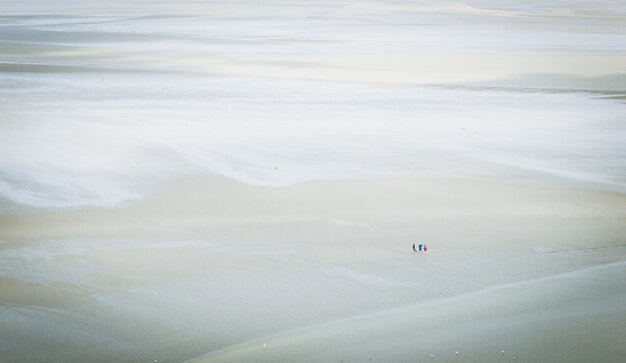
{"type": "Point", "coordinates": [244, 182]}
{"type": "Point", "coordinates": [321, 271]}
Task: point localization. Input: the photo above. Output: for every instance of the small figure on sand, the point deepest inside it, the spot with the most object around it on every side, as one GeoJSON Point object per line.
{"type": "Point", "coordinates": [420, 248]}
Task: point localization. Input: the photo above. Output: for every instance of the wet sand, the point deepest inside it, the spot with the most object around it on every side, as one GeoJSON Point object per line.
{"type": "Point", "coordinates": [571, 317]}
{"type": "Point", "coordinates": [193, 180]}
{"type": "Point", "coordinates": [317, 271]}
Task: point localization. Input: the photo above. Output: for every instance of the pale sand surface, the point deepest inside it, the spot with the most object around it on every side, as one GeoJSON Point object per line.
{"type": "Point", "coordinates": [572, 317]}
{"type": "Point", "coordinates": [387, 41]}
{"type": "Point", "coordinates": [344, 132]}
{"type": "Point", "coordinates": [206, 264]}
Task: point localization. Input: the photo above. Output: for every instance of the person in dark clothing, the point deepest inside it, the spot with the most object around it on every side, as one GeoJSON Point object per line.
{"type": "Point", "coordinates": [414, 250]}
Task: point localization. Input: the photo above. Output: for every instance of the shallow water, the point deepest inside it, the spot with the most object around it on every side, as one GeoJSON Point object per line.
{"type": "Point", "coordinates": [100, 102]}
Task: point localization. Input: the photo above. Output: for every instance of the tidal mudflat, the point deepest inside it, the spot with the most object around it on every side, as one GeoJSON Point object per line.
{"type": "Point", "coordinates": [243, 182]}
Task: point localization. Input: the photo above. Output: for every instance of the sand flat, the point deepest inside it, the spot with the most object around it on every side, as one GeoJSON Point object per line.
{"type": "Point", "coordinates": [552, 319]}
{"type": "Point", "coordinates": [188, 180]}
{"type": "Point", "coordinates": [194, 205]}
{"type": "Point", "coordinates": [176, 283]}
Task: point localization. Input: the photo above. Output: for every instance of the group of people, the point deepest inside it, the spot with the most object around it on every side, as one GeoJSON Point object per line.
{"type": "Point", "coordinates": [420, 248]}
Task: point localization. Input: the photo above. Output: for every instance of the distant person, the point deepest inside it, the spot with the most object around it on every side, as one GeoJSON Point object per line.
{"type": "Point", "coordinates": [420, 248]}
{"type": "Point", "coordinates": [425, 248]}
{"type": "Point", "coordinates": [414, 250]}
